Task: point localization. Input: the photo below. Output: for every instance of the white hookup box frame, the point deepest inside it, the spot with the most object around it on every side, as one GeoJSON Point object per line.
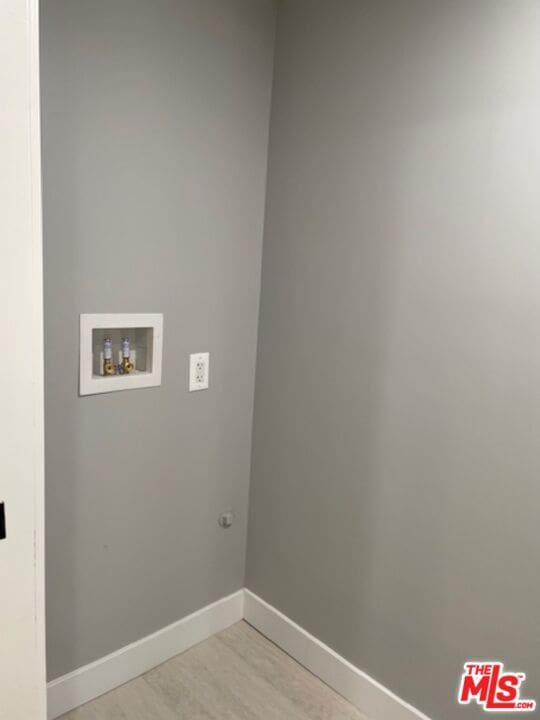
{"type": "Point", "coordinates": [145, 331]}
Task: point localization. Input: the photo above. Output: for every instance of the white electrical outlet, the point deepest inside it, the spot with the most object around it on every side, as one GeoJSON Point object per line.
{"type": "Point", "coordinates": [199, 367]}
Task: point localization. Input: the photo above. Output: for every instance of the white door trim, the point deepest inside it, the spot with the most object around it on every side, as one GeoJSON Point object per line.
{"type": "Point", "coordinates": [22, 648]}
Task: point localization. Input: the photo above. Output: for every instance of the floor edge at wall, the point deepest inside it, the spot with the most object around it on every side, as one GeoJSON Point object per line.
{"type": "Point", "coordinates": [356, 686]}
{"type": "Point", "coordinates": [91, 681]}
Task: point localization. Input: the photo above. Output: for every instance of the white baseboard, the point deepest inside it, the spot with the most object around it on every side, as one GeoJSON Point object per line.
{"type": "Point", "coordinates": [372, 698]}
{"type": "Point", "coordinates": [91, 681]}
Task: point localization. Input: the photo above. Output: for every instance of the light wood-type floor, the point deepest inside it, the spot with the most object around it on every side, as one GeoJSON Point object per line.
{"type": "Point", "coordinates": [235, 675]}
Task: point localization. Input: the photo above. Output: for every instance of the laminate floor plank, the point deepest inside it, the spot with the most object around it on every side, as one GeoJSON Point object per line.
{"type": "Point", "coordinates": [235, 675]}
{"type": "Point", "coordinates": [134, 701]}
{"type": "Point", "coordinates": [316, 699]}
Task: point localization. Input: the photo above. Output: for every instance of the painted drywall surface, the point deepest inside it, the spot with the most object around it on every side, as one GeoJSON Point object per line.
{"type": "Point", "coordinates": [395, 494]}
{"type": "Point", "coordinates": [155, 126]}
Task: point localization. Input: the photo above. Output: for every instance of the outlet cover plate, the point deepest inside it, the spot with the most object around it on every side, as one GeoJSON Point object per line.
{"type": "Point", "coordinates": [199, 371]}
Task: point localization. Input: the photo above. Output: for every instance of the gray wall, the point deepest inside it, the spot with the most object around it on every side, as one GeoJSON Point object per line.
{"type": "Point", "coordinates": [155, 124]}
{"type": "Point", "coordinates": [395, 483]}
